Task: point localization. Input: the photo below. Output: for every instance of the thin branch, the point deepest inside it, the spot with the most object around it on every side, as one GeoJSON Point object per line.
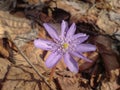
{"type": "Point", "coordinates": [28, 61]}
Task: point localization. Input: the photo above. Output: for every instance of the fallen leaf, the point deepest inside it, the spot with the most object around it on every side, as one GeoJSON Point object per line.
{"type": "Point", "coordinates": [59, 14]}
{"type": "Point", "coordinates": [104, 23]}
{"type": "Point", "coordinates": [4, 68]}
{"type": "Point", "coordinates": [86, 65]}
{"type": "Point", "coordinates": [23, 78]}
{"type": "Point", "coordinates": [109, 57]}
{"type": "Point", "coordinates": [3, 52]}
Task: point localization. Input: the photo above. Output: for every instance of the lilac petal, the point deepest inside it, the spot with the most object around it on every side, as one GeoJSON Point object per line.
{"type": "Point", "coordinates": [85, 48]}
{"type": "Point", "coordinates": [64, 27]}
{"type": "Point", "coordinates": [76, 36]}
{"type": "Point", "coordinates": [80, 56]}
{"type": "Point", "coordinates": [52, 59]}
{"type": "Point", "coordinates": [71, 30]}
{"type": "Point", "coordinates": [52, 32]}
{"type": "Point", "coordinates": [79, 40]}
{"type": "Point", "coordinates": [43, 44]}
{"type": "Point", "coordinates": [71, 63]}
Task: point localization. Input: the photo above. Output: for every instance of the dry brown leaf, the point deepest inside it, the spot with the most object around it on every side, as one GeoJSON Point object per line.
{"type": "Point", "coordinates": [6, 49]}
{"type": "Point", "coordinates": [3, 51]}
{"type": "Point", "coordinates": [4, 68]}
{"type": "Point", "coordinates": [19, 28]}
{"type": "Point", "coordinates": [39, 16]}
{"type": "Point", "coordinates": [33, 1]}
{"type": "Point", "coordinates": [32, 53]}
{"type": "Point", "coordinates": [117, 34]}
{"type": "Point", "coordinates": [23, 78]}
{"type": "Point", "coordinates": [115, 17]}
{"type": "Point", "coordinates": [109, 57]}
{"type": "Point", "coordinates": [116, 5]}
{"type": "Point", "coordinates": [59, 14]}
{"type": "Point", "coordinates": [112, 84]}
{"type": "Point", "coordinates": [76, 8]}
{"type": "Point", "coordinates": [86, 65]}
{"type": "Point", "coordinates": [105, 24]}
{"type": "Point", "coordinates": [68, 83]}
{"type": "Point", "coordinates": [12, 24]}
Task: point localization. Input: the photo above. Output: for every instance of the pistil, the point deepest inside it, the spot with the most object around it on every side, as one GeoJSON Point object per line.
{"type": "Point", "coordinates": [65, 45]}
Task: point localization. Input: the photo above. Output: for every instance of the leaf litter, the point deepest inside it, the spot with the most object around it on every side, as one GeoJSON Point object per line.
{"type": "Point", "coordinates": [23, 22]}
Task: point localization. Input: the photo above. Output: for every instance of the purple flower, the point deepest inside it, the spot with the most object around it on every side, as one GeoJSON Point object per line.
{"type": "Point", "coordinates": [65, 45]}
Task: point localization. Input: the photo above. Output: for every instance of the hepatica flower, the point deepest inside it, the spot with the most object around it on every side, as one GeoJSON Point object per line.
{"type": "Point", "coordinates": [65, 45]}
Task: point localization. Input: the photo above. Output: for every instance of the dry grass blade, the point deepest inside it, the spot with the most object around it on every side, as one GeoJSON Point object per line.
{"type": "Point", "coordinates": [28, 61]}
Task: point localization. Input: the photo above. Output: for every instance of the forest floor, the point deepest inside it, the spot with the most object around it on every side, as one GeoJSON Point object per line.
{"type": "Point", "coordinates": [22, 64]}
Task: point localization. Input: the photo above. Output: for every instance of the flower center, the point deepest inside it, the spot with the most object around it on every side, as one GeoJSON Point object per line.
{"type": "Point", "coordinates": [65, 45]}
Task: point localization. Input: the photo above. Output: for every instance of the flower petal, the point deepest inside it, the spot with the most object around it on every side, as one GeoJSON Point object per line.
{"type": "Point", "coordinates": [52, 32]}
{"type": "Point", "coordinates": [71, 63]}
{"type": "Point", "coordinates": [71, 30]}
{"type": "Point", "coordinates": [64, 27]}
{"type": "Point", "coordinates": [79, 40]}
{"type": "Point", "coordinates": [85, 48]}
{"type": "Point", "coordinates": [52, 59]}
{"type": "Point", "coordinates": [79, 35]}
{"type": "Point", "coordinates": [43, 44]}
{"type": "Point", "coordinates": [80, 56]}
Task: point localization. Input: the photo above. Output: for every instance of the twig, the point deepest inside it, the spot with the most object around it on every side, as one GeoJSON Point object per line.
{"type": "Point", "coordinates": [28, 61]}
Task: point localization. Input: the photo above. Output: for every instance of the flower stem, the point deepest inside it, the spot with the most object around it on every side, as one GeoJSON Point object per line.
{"type": "Point", "coordinates": [52, 73]}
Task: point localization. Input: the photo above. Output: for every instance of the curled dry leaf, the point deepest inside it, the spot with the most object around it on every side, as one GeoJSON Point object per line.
{"type": "Point", "coordinates": [3, 52]}
{"type": "Point", "coordinates": [88, 28]}
{"type": "Point", "coordinates": [6, 49]}
{"type": "Point", "coordinates": [109, 57]}
{"type": "Point", "coordinates": [86, 65]}
{"type": "Point", "coordinates": [60, 14]}
{"type": "Point", "coordinates": [75, 8]}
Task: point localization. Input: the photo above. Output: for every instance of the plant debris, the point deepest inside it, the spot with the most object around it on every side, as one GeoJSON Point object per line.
{"type": "Point", "coordinates": [23, 21]}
